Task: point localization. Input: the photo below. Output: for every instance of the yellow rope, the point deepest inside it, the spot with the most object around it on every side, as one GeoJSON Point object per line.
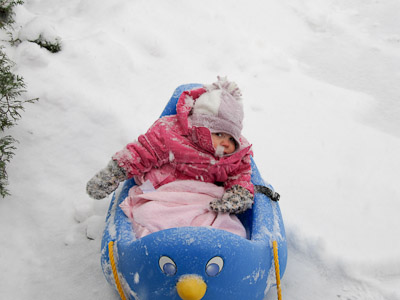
{"type": "Point", "coordinates": [114, 269]}
{"type": "Point", "coordinates": [278, 278]}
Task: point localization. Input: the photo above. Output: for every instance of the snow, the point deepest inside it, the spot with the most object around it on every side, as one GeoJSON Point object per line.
{"type": "Point", "coordinates": [321, 96]}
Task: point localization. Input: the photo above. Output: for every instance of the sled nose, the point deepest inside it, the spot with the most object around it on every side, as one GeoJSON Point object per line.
{"type": "Point", "coordinates": [191, 287]}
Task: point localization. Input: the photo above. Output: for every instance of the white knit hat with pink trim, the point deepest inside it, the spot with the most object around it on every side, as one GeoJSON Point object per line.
{"type": "Point", "coordinates": [220, 109]}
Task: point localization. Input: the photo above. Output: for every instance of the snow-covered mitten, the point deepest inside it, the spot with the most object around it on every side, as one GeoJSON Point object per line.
{"type": "Point", "coordinates": [106, 181]}
{"type": "Point", "coordinates": [235, 200]}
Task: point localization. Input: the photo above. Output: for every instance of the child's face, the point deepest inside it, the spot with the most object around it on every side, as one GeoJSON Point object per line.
{"type": "Point", "coordinates": [223, 141]}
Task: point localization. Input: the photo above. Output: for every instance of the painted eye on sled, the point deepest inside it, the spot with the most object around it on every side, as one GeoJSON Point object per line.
{"type": "Point", "coordinates": [214, 266]}
{"type": "Point", "coordinates": [167, 265]}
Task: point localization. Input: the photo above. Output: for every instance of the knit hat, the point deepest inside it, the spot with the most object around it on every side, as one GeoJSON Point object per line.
{"type": "Point", "coordinates": [220, 109]}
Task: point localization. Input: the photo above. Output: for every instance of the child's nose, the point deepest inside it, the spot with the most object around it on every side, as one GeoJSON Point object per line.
{"type": "Point", "coordinates": [225, 142]}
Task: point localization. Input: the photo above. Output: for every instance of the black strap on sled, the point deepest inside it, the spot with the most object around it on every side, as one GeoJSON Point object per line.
{"type": "Point", "coordinates": [274, 196]}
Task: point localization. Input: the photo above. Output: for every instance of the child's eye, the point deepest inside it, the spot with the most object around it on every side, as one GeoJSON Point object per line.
{"type": "Point", "coordinates": [232, 140]}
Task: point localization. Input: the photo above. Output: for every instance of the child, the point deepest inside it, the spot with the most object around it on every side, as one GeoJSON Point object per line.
{"type": "Point", "coordinates": [202, 143]}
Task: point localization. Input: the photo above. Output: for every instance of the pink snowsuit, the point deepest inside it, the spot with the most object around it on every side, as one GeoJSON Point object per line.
{"type": "Point", "coordinates": [172, 150]}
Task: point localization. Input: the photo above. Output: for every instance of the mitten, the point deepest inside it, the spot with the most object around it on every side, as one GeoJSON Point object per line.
{"type": "Point", "coordinates": [106, 181]}
{"type": "Point", "coordinates": [235, 200]}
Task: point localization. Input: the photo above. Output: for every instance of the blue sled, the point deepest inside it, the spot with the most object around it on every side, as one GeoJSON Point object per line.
{"type": "Point", "coordinates": [231, 267]}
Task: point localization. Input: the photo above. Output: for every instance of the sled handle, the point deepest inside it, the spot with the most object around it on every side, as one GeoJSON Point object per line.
{"type": "Point", "coordinates": [276, 261]}
{"type": "Point", "coordinates": [114, 270]}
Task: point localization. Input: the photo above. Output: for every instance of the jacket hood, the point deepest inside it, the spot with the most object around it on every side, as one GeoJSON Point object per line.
{"type": "Point", "coordinates": [184, 107]}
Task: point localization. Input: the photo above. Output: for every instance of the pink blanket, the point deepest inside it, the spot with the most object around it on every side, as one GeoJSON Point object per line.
{"type": "Point", "coordinates": [177, 204]}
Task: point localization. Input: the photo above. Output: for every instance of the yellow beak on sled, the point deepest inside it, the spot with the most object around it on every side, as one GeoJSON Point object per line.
{"type": "Point", "coordinates": [191, 287]}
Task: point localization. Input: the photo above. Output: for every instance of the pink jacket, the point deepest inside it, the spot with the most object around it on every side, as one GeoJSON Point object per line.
{"type": "Point", "coordinates": [172, 150]}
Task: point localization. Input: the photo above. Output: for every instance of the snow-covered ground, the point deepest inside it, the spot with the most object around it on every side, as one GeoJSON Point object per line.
{"type": "Point", "coordinates": [320, 84]}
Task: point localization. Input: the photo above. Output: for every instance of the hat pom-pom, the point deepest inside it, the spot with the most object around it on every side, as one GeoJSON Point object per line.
{"type": "Point", "coordinates": [229, 86]}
